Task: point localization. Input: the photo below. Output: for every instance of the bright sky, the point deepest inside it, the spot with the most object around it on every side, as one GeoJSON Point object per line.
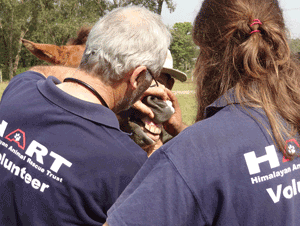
{"type": "Point", "coordinates": [186, 11]}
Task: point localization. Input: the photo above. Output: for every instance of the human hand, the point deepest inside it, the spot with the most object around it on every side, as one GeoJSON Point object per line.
{"type": "Point", "coordinates": [174, 125]}
{"type": "Point", "coordinates": [151, 91]}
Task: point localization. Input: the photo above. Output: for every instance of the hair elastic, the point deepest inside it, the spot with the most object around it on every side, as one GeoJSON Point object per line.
{"type": "Point", "coordinates": [254, 31]}
{"type": "Point", "coordinates": [255, 21]}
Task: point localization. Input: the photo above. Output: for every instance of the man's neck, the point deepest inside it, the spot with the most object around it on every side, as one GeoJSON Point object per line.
{"type": "Point", "coordinates": [81, 91]}
{"type": "Point", "coordinates": [111, 94]}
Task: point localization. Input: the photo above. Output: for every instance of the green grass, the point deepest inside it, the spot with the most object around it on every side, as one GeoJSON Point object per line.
{"type": "Point", "coordinates": [188, 106]}
{"type": "Point", "coordinates": [187, 102]}
{"type": "Point", "coordinates": [180, 86]}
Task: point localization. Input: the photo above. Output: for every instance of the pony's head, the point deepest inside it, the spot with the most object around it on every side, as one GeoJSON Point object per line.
{"type": "Point", "coordinates": [136, 123]}
{"type": "Point", "coordinates": [67, 55]}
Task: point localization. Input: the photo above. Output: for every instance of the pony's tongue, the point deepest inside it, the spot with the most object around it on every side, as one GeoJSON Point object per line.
{"type": "Point", "coordinates": [151, 126]}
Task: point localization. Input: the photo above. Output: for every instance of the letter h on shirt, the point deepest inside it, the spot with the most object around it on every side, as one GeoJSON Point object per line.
{"type": "Point", "coordinates": [253, 161]}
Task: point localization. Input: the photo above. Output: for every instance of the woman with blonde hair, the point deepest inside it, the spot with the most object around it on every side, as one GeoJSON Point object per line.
{"type": "Point", "coordinates": [238, 164]}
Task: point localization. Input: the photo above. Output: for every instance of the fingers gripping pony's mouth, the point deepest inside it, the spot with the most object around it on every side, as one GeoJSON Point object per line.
{"type": "Point", "coordinates": [163, 110]}
{"type": "Point", "coordinates": [146, 131]}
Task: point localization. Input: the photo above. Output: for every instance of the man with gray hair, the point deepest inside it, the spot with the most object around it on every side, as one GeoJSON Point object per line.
{"type": "Point", "coordinates": [63, 158]}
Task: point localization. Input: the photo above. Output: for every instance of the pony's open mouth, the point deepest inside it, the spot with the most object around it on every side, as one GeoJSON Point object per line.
{"type": "Point", "coordinates": [151, 126]}
{"type": "Point", "coordinates": [143, 129]}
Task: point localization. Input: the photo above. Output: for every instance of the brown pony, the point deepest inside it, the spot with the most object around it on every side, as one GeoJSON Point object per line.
{"type": "Point", "coordinates": [131, 121]}
{"type": "Point", "coordinates": [68, 55]}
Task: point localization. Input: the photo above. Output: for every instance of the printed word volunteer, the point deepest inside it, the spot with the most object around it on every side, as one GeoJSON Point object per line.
{"type": "Point", "coordinates": [40, 152]}
{"type": "Point", "coordinates": [35, 183]}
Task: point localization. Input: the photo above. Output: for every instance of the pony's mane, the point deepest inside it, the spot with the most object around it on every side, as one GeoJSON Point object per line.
{"type": "Point", "coordinates": [81, 38]}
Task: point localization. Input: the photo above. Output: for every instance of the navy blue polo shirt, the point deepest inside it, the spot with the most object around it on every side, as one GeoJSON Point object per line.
{"type": "Point", "coordinates": [63, 161]}
{"type": "Point", "coordinates": [223, 170]}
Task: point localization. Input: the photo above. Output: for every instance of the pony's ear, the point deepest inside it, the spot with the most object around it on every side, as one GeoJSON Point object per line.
{"type": "Point", "coordinates": [46, 52]}
{"type": "Point", "coordinates": [69, 55]}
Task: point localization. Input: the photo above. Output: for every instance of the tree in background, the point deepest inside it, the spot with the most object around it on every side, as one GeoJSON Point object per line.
{"type": "Point", "coordinates": [14, 17]}
{"type": "Point", "coordinates": [170, 5]}
{"type": "Point", "coordinates": [153, 5]}
{"type": "Point", "coordinates": [183, 49]}
{"type": "Point", "coordinates": [52, 22]}
{"type": "Point", "coordinates": [42, 21]}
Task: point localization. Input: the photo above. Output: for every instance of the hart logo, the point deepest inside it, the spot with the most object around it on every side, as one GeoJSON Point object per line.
{"type": "Point", "coordinates": [17, 136]}
{"type": "Point", "coordinates": [290, 147]}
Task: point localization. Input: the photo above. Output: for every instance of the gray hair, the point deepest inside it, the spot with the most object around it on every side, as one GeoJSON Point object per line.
{"type": "Point", "coordinates": [124, 39]}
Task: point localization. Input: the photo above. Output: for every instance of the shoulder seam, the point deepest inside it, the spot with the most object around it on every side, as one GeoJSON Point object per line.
{"type": "Point", "coordinates": [176, 169]}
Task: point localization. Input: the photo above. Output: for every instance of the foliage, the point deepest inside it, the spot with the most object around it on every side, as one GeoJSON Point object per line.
{"type": "Point", "coordinates": [13, 20]}
{"type": "Point", "coordinates": [153, 5]}
{"type": "Point", "coordinates": [51, 22]}
{"type": "Point", "coordinates": [42, 21]}
{"type": "Point", "coordinates": [183, 49]}
{"type": "Point", "coordinates": [57, 21]}
{"type": "Point", "coordinates": [295, 45]}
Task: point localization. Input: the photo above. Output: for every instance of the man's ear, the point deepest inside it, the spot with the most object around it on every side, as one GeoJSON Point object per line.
{"type": "Point", "coordinates": [139, 71]}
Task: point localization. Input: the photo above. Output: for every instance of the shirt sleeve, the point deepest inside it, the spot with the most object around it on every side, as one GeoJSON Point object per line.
{"type": "Point", "coordinates": [158, 195]}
